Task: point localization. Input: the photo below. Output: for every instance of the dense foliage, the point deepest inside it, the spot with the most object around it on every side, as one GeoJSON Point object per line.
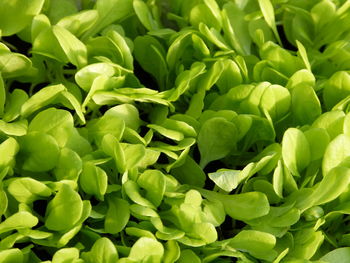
{"type": "Point", "coordinates": [174, 131]}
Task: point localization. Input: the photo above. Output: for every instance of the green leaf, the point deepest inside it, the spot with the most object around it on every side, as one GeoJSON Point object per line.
{"type": "Point", "coordinates": [117, 215]}
{"type": "Point", "coordinates": [80, 22]}
{"type": "Point", "coordinates": [66, 255]}
{"type": "Point", "coordinates": [214, 212]}
{"type": "Point", "coordinates": [318, 140]}
{"type": "Point", "coordinates": [64, 210]}
{"type": "Point", "coordinates": [127, 112]}
{"type": "Point", "coordinates": [188, 255]}
{"type": "Point", "coordinates": [103, 251]}
{"type": "Point", "coordinates": [332, 185]}
{"type": "Point", "coordinates": [189, 173]}
{"type": "Point", "coordinates": [3, 202]}
{"type": "Point", "coordinates": [153, 182]}
{"type": "Point", "coordinates": [251, 104]}
{"type": "Point", "coordinates": [109, 12]}
{"type": "Point", "coordinates": [230, 76]}
{"type": "Point", "coordinates": [14, 64]}
{"type": "Point", "coordinates": [303, 54]}
{"type": "Point", "coordinates": [277, 101]}
{"type": "Point", "coordinates": [336, 88]}
{"type": "Point", "coordinates": [332, 122]}
{"type": "Point", "coordinates": [306, 106]}
{"type": "Point", "coordinates": [204, 231]}
{"type": "Point", "coordinates": [184, 80]}
{"type": "Point", "coordinates": [27, 190]}
{"type": "Point", "coordinates": [107, 124]}
{"type": "Point", "coordinates": [74, 49]}
{"type": "Point", "coordinates": [45, 42]}
{"type": "Point", "coordinates": [226, 179]}
{"type": "Point", "coordinates": [172, 252]}
{"type": "Point", "coordinates": [69, 165]}
{"type": "Point", "coordinates": [322, 13]}
{"type": "Point", "coordinates": [14, 100]}
{"type": "Point", "coordinates": [8, 150]}
{"type": "Point", "coordinates": [338, 255]}
{"type": "Point", "coordinates": [132, 190]}
{"type": "Point", "coordinates": [236, 28]}
{"type": "Point", "coordinates": [295, 151]}
{"type": "Point", "coordinates": [269, 15]}
{"type": "Point", "coordinates": [208, 13]}
{"type": "Point", "coordinates": [277, 180]}
{"type": "Point", "coordinates": [49, 121]}
{"type": "Point", "coordinates": [306, 243]}
{"type": "Point", "coordinates": [301, 77]}
{"type": "Point", "coordinates": [216, 139]}
{"type": "Point", "coordinates": [134, 153]}
{"type": "Point", "coordinates": [113, 148]}
{"type": "Point", "coordinates": [169, 133]}
{"type": "Point", "coordinates": [157, 67]}
{"type": "Point", "coordinates": [18, 128]}
{"type": "Point", "coordinates": [255, 242]}
{"type": "Point", "coordinates": [123, 46]}
{"type": "Point", "coordinates": [39, 152]}
{"type": "Point", "coordinates": [147, 250]}
{"type": "Point", "coordinates": [58, 9]}
{"type": "Point", "coordinates": [93, 180]}
{"type": "Point", "coordinates": [213, 36]}
{"type": "Point", "coordinates": [2, 96]}
{"type": "Point", "coordinates": [43, 97]}
{"type": "Point", "coordinates": [280, 59]}
{"type": "Point", "coordinates": [242, 207]}
{"type": "Point", "coordinates": [336, 152]}
{"type": "Point", "coordinates": [177, 48]}
{"type": "Point", "coordinates": [11, 256]}
{"type": "Point", "coordinates": [145, 16]}
{"type": "Point", "coordinates": [86, 76]}
{"type": "Point", "coordinates": [16, 15]}
{"type": "Point", "coordinates": [18, 221]}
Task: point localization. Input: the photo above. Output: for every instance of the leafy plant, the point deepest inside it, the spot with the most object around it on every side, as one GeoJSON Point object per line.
{"type": "Point", "coordinates": [174, 131]}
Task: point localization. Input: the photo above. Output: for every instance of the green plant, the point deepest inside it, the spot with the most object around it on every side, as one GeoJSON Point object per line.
{"type": "Point", "coordinates": [174, 131]}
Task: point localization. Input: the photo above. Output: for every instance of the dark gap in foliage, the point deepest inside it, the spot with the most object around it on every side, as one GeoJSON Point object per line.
{"type": "Point", "coordinates": [168, 141]}
{"type": "Point", "coordinates": [163, 159]}
{"type": "Point", "coordinates": [42, 252]}
{"type": "Point", "coordinates": [143, 130]}
{"type": "Point", "coordinates": [213, 166]}
{"type": "Point", "coordinates": [39, 86]}
{"type": "Point", "coordinates": [39, 206]}
{"type": "Point", "coordinates": [71, 111]}
{"type": "Point", "coordinates": [165, 9]}
{"type": "Point", "coordinates": [196, 154]}
{"type": "Point", "coordinates": [20, 245]}
{"type": "Point", "coordinates": [182, 104]}
{"type": "Point", "coordinates": [145, 78]}
{"type": "Point", "coordinates": [226, 229]}
{"type": "Point", "coordinates": [40, 224]}
{"type": "Point", "coordinates": [17, 44]}
{"type": "Point", "coordinates": [236, 227]}
{"type": "Point", "coordinates": [69, 71]}
{"type": "Point", "coordinates": [285, 42]}
{"type": "Point", "coordinates": [85, 239]}
{"type": "Point", "coordinates": [103, 109]}
{"type": "Point", "coordinates": [19, 85]}
{"type": "Point", "coordinates": [209, 184]}
{"type": "Point", "coordinates": [227, 259]}
{"type": "Point", "coordinates": [322, 48]}
{"type": "Point", "coordinates": [69, 66]}
{"type": "Point", "coordinates": [145, 112]}
{"type": "Point", "coordinates": [94, 201]}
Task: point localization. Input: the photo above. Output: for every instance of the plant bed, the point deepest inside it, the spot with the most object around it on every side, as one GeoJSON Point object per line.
{"type": "Point", "coordinates": [174, 131]}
